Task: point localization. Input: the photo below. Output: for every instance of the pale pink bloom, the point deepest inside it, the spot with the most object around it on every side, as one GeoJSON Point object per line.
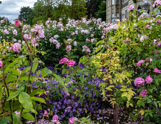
{"type": "Point", "coordinates": [75, 43]}
{"type": "Point", "coordinates": [1, 63]}
{"type": "Point", "coordinates": [2, 21]}
{"type": "Point", "coordinates": [16, 47]}
{"type": "Point", "coordinates": [18, 23]}
{"type": "Point", "coordinates": [68, 48]}
{"type": "Point", "coordinates": [58, 45]}
{"type": "Point", "coordinates": [15, 32]}
{"type": "Point", "coordinates": [157, 3]}
{"type": "Point", "coordinates": [71, 63]}
{"type": "Point", "coordinates": [87, 40]}
{"type": "Point", "coordinates": [6, 31]}
{"type": "Point", "coordinates": [149, 79]}
{"type": "Point", "coordinates": [26, 36]}
{"type": "Point", "coordinates": [151, 59]}
{"type": "Point", "coordinates": [158, 21]}
{"type": "Point", "coordinates": [85, 49]}
{"type": "Point", "coordinates": [86, 31]}
{"type": "Point", "coordinates": [159, 45]}
{"type": "Point", "coordinates": [55, 119]}
{"type": "Point", "coordinates": [34, 41]}
{"type": "Point", "coordinates": [106, 29]}
{"type": "Point", "coordinates": [102, 37]}
{"type": "Point", "coordinates": [143, 93]}
{"type": "Point", "coordinates": [144, 37]}
{"type": "Point", "coordinates": [92, 35]}
{"type": "Point", "coordinates": [131, 7]}
{"type": "Point", "coordinates": [41, 34]}
{"type": "Point", "coordinates": [56, 36]}
{"type": "Point", "coordinates": [140, 62]}
{"type": "Point", "coordinates": [156, 70]}
{"type": "Point", "coordinates": [63, 60]}
{"type": "Point", "coordinates": [17, 113]}
{"type": "Point", "coordinates": [45, 113]}
{"type": "Point", "coordinates": [92, 40]}
{"type": "Point", "coordinates": [139, 82]}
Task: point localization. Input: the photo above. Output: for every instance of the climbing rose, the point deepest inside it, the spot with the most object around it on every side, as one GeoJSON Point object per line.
{"type": "Point", "coordinates": [131, 7]}
{"type": "Point", "coordinates": [45, 113]}
{"type": "Point", "coordinates": [139, 82]}
{"type": "Point", "coordinates": [18, 23]}
{"type": "Point", "coordinates": [63, 60]}
{"type": "Point", "coordinates": [140, 62]}
{"type": "Point", "coordinates": [1, 63]}
{"type": "Point", "coordinates": [149, 79]}
{"type": "Point", "coordinates": [16, 47]}
{"type": "Point", "coordinates": [71, 63]}
{"type": "Point", "coordinates": [143, 93]}
{"type": "Point", "coordinates": [156, 70]}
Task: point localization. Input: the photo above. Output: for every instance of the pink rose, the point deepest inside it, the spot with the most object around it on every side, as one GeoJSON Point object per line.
{"type": "Point", "coordinates": [16, 47]}
{"type": "Point", "coordinates": [1, 64]}
{"type": "Point", "coordinates": [71, 63]}
{"type": "Point", "coordinates": [139, 82]}
{"type": "Point", "coordinates": [149, 79]}
{"type": "Point", "coordinates": [140, 62]}
{"type": "Point", "coordinates": [143, 93]}
{"type": "Point", "coordinates": [55, 119]}
{"type": "Point", "coordinates": [71, 120]}
{"type": "Point", "coordinates": [131, 7]}
{"type": "Point", "coordinates": [156, 70]}
{"type": "Point", "coordinates": [158, 21]}
{"type": "Point", "coordinates": [147, 26]}
{"type": "Point", "coordinates": [63, 60]}
{"type": "Point", "coordinates": [18, 23]}
{"type": "Point", "coordinates": [45, 113]}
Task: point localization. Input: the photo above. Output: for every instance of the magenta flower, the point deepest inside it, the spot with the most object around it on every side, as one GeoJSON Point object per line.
{"type": "Point", "coordinates": [140, 62]}
{"type": "Point", "coordinates": [16, 47]}
{"type": "Point", "coordinates": [139, 82]}
{"type": "Point", "coordinates": [143, 93]}
{"type": "Point", "coordinates": [63, 60]}
{"type": "Point", "coordinates": [149, 79]}
{"type": "Point", "coordinates": [71, 120]}
{"type": "Point", "coordinates": [156, 70]}
{"type": "Point", "coordinates": [45, 113]}
{"type": "Point", "coordinates": [147, 26]}
{"type": "Point", "coordinates": [18, 23]}
{"type": "Point", "coordinates": [1, 64]}
{"type": "Point", "coordinates": [26, 36]}
{"type": "Point", "coordinates": [71, 63]}
{"type": "Point", "coordinates": [131, 7]}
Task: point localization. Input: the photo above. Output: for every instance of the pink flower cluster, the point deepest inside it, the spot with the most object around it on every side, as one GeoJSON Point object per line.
{"type": "Point", "coordinates": [16, 47]}
{"type": "Point", "coordinates": [69, 62]}
{"type": "Point", "coordinates": [143, 93]}
{"type": "Point", "coordinates": [1, 64]}
{"type": "Point", "coordinates": [54, 41]}
{"type": "Point", "coordinates": [157, 3]}
{"type": "Point", "coordinates": [139, 82]}
{"type": "Point", "coordinates": [55, 119]}
{"type": "Point", "coordinates": [86, 49]}
{"type": "Point", "coordinates": [140, 62]}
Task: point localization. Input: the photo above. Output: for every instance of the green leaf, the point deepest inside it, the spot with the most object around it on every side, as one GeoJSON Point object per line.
{"type": "Point", "coordinates": [25, 100]}
{"type": "Point", "coordinates": [26, 70]}
{"type": "Point", "coordinates": [45, 72]}
{"type": "Point", "coordinates": [28, 116]}
{"type": "Point", "coordinates": [38, 99]}
{"type": "Point", "coordinates": [11, 78]}
{"type": "Point", "coordinates": [4, 120]}
{"type": "Point", "coordinates": [13, 95]}
{"type": "Point", "coordinates": [35, 64]}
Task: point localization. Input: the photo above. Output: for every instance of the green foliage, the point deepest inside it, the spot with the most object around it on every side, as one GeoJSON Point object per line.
{"type": "Point", "coordinates": [101, 13]}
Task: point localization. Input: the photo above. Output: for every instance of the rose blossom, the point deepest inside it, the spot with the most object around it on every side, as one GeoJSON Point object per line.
{"type": "Point", "coordinates": [16, 47]}
{"type": "Point", "coordinates": [45, 113]}
{"type": "Point", "coordinates": [55, 119]}
{"type": "Point", "coordinates": [156, 70]}
{"type": "Point", "coordinates": [143, 93]}
{"type": "Point", "coordinates": [18, 23]}
{"type": "Point", "coordinates": [71, 63]}
{"type": "Point", "coordinates": [140, 62]}
{"type": "Point", "coordinates": [149, 79]}
{"type": "Point", "coordinates": [139, 82]}
{"type": "Point", "coordinates": [147, 26]}
{"type": "Point", "coordinates": [6, 31]}
{"type": "Point", "coordinates": [131, 7]}
{"type": "Point", "coordinates": [1, 63]}
{"type": "Point", "coordinates": [63, 60]}
{"type": "Point", "coordinates": [26, 36]}
{"type": "Point", "coordinates": [71, 120]}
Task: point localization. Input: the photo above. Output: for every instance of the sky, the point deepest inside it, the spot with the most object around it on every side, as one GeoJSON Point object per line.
{"type": "Point", "coordinates": [11, 8]}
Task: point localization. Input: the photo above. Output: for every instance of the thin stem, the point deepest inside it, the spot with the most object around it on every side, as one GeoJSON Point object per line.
{"type": "Point", "coordinates": [7, 93]}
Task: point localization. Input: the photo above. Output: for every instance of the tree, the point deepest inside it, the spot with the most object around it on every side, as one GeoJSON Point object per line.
{"type": "Point", "coordinates": [26, 15]}
{"type": "Point", "coordinates": [101, 13]}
